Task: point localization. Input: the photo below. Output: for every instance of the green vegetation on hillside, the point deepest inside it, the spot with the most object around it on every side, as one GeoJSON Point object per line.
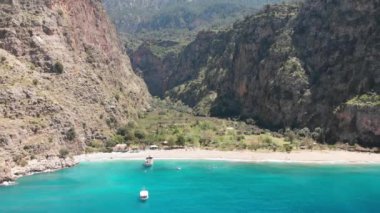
{"type": "Point", "coordinates": [270, 66]}
{"type": "Point", "coordinates": [162, 48]}
{"type": "Point", "coordinates": [173, 125]}
{"type": "Point", "coordinates": [369, 99]}
{"type": "Point", "coordinates": [173, 20]}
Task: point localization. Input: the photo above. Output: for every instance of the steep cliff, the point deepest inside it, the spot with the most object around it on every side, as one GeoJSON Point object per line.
{"type": "Point", "coordinates": [153, 68]}
{"type": "Point", "coordinates": [64, 81]}
{"type": "Point", "coordinates": [290, 66]}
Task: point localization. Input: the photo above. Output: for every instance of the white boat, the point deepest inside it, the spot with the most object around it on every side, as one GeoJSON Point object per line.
{"type": "Point", "coordinates": [144, 195]}
{"type": "Point", "coordinates": [148, 162]}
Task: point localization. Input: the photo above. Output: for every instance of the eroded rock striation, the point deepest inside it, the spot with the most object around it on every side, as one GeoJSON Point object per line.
{"type": "Point", "coordinates": [64, 81]}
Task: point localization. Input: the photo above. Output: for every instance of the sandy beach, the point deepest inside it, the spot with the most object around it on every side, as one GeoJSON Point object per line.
{"type": "Point", "coordinates": [318, 157]}
{"type": "Point", "coordinates": [304, 157]}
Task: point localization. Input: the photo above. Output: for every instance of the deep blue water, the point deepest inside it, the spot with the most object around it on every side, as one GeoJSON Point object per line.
{"type": "Point", "coordinates": [200, 186]}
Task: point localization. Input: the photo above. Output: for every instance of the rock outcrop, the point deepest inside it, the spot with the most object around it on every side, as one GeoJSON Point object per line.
{"type": "Point", "coordinates": [358, 120]}
{"type": "Point", "coordinates": [289, 66]}
{"type": "Point", "coordinates": [64, 80]}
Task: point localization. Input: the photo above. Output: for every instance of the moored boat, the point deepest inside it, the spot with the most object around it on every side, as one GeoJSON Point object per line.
{"type": "Point", "coordinates": [144, 195]}
{"type": "Point", "coordinates": [148, 161]}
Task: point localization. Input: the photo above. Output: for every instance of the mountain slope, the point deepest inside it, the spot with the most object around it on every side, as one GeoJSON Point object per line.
{"type": "Point", "coordinates": [289, 66]}
{"type": "Point", "coordinates": [64, 81]}
{"type": "Point", "coordinates": [133, 16]}
{"type": "Point", "coordinates": [175, 20]}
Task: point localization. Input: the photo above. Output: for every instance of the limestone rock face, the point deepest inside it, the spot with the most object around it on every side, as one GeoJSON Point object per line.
{"type": "Point", "coordinates": [153, 69]}
{"type": "Point", "coordinates": [64, 79]}
{"type": "Point", "coordinates": [289, 66]}
{"type": "Point", "coordinates": [358, 120]}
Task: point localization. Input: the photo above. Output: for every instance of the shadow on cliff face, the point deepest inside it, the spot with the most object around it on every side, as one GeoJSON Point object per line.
{"type": "Point", "coordinates": [226, 107]}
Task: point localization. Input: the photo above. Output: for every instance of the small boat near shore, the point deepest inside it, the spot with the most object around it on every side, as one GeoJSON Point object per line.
{"type": "Point", "coordinates": [144, 195]}
{"type": "Point", "coordinates": [7, 183]}
{"type": "Point", "coordinates": [148, 161]}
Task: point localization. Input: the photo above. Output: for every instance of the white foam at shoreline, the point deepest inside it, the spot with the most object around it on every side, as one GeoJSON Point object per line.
{"type": "Point", "coordinates": [8, 183]}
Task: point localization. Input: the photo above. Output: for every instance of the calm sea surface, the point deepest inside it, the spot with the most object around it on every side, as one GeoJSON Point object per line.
{"type": "Point", "coordinates": [200, 186]}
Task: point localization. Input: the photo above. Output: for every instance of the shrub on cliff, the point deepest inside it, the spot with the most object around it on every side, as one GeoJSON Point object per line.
{"type": "Point", "coordinates": [60, 12]}
{"type": "Point", "coordinates": [132, 124]}
{"type": "Point", "coordinates": [63, 153]}
{"type": "Point", "coordinates": [250, 121]}
{"type": "Point", "coordinates": [288, 148]}
{"type": "Point", "coordinates": [112, 122]}
{"type": "Point", "coordinates": [267, 142]}
{"type": "Point", "coordinates": [140, 134]}
{"type": "Point", "coordinates": [290, 135]}
{"type": "Point", "coordinates": [71, 134]}
{"type": "Point", "coordinates": [305, 132]}
{"type": "Point", "coordinates": [96, 144]}
{"type": "Point", "coordinates": [181, 141]}
{"type": "Point", "coordinates": [20, 160]}
{"type": "Point", "coordinates": [57, 68]}
{"type": "Point", "coordinates": [122, 131]}
{"type": "Point", "coordinates": [318, 134]}
{"type": "Point", "coordinates": [368, 99]}
{"type": "Point", "coordinates": [117, 97]}
{"type": "Point", "coordinates": [116, 139]}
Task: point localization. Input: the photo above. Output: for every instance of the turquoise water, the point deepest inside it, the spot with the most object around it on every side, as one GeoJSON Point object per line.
{"type": "Point", "coordinates": [200, 186]}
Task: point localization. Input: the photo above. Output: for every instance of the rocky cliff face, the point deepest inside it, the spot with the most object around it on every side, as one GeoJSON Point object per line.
{"type": "Point", "coordinates": [358, 120]}
{"type": "Point", "coordinates": [64, 80]}
{"type": "Point", "coordinates": [153, 69]}
{"type": "Point", "coordinates": [290, 66]}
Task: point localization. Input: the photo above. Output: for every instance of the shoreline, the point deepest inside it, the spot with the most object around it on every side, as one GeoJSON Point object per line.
{"type": "Point", "coordinates": [318, 157]}
{"type": "Point", "coordinates": [296, 157]}
{"type": "Point", "coordinates": [35, 167]}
